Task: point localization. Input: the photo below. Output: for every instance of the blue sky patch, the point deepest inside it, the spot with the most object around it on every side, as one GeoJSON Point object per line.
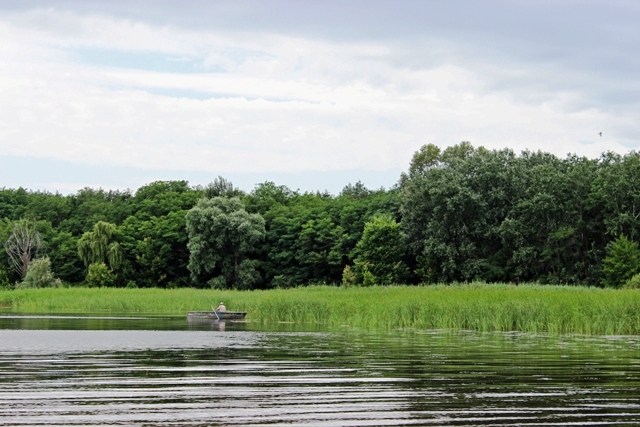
{"type": "Point", "coordinates": [69, 177]}
{"type": "Point", "coordinates": [148, 61]}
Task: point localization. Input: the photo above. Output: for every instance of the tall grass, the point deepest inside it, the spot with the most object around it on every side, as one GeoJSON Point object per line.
{"type": "Point", "coordinates": [529, 308]}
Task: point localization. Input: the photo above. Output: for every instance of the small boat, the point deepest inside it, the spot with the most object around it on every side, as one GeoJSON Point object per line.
{"type": "Point", "coordinates": [216, 315]}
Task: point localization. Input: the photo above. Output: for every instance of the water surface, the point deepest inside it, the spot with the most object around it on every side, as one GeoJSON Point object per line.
{"type": "Point", "coordinates": [149, 371]}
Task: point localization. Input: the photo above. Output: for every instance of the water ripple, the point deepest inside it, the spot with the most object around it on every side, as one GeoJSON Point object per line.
{"type": "Point", "coordinates": [216, 378]}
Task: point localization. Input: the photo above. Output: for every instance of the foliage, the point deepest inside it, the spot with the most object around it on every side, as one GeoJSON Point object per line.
{"type": "Point", "coordinates": [89, 206]}
{"type": "Point", "coordinates": [466, 214]}
{"type": "Point", "coordinates": [380, 253]}
{"type": "Point", "coordinates": [309, 237]}
{"type": "Point", "coordinates": [221, 187]}
{"type": "Point", "coordinates": [622, 262]}
{"type": "Point", "coordinates": [63, 252]}
{"type": "Point", "coordinates": [356, 191]}
{"type": "Point", "coordinates": [97, 246]}
{"type": "Point", "coordinates": [481, 307]}
{"type": "Point", "coordinates": [348, 277]}
{"type": "Point", "coordinates": [222, 235]}
{"type": "Point", "coordinates": [99, 275]}
{"type": "Point", "coordinates": [615, 192]}
{"type": "Point", "coordinates": [161, 198]}
{"type": "Point", "coordinates": [4, 279]}
{"type": "Point", "coordinates": [39, 275]}
{"type": "Point", "coordinates": [474, 214]}
{"type": "Point", "coordinates": [312, 237]}
{"type": "Point", "coordinates": [633, 283]}
{"type": "Point", "coordinates": [268, 195]}
{"type": "Point", "coordinates": [157, 250]}
{"type": "Point", "coordinates": [368, 278]}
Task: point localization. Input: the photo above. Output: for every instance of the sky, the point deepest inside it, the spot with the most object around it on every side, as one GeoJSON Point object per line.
{"type": "Point", "coordinates": [309, 94]}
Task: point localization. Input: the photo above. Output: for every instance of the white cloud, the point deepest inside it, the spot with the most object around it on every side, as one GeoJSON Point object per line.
{"type": "Point", "coordinates": [277, 103]}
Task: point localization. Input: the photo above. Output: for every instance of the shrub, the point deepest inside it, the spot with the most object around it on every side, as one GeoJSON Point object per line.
{"type": "Point", "coordinates": [281, 281]}
{"type": "Point", "coordinates": [99, 275]}
{"type": "Point", "coordinates": [218, 283]}
{"type": "Point", "coordinates": [633, 283]}
{"type": "Point", "coordinates": [368, 279]}
{"type": "Point", "coordinates": [39, 275]}
{"type": "Point", "coordinates": [622, 262]}
{"type": "Point", "coordinates": [348, 277]}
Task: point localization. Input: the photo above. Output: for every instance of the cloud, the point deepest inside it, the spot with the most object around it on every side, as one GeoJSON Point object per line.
{"type": "Point", "coordinates": [100, 89]}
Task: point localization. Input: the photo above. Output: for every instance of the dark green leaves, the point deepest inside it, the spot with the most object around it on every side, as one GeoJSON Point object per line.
{"type": "Point", "coordinates": [622, 262]}
{"type": "Point", "coordinates": [222, 236]}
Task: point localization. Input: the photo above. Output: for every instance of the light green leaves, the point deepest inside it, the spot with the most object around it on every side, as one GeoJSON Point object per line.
{"type": "Point", "coordinates": [222, 236]}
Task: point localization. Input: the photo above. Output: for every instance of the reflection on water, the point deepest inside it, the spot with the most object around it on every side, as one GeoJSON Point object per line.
{"type": "Point", "coordinates": [159, 371]}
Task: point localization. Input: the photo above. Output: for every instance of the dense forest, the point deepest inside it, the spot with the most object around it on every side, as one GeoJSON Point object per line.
{"type": "Point", "coordinates": [457, 215]}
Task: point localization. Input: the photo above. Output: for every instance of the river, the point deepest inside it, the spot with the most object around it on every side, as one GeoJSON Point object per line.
{"type": "Point", "coordinates": [158, 371]}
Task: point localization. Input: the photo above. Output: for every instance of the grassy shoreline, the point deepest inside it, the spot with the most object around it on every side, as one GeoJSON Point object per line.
{"type": "Point", "coordinates": [529, 308]}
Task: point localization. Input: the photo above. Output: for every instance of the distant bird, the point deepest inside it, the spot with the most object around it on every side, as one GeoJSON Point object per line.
{"type": "Point", "coordinates": [600, 133]}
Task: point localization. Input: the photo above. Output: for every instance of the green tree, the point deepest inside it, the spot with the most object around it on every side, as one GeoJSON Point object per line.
{"type": "Point", "coordinates": [615, 193]}
{"type": "Point", "coordinates": [157, 249]}
{"type": "Point", "coordinates": [222, 236]}
{"type": "Point", "coordinates": [98, 246]}
{"type": "Point", "coordinates": [221, 187]}
{"type": "Point", "coordinates": [89, 206]}
{"type": "Point", "coordinates": [357, 190]}
{"type": "Point", "coordinates": [311, 237]}
{"type": "Point", "coordinates": [427, 157]}
{"type": "Point", "coordinates": [451, 212]}
{"type": "Point", "coordinates": [318, 249]}
{"type": "Point", "coordinates": [99, 275]}
{"type": "Point", "coordinates": [45, 206]}
{"type": "Point", "coordinates": [62, 248]}
{"type": "Point", "coordinates": [622, 262]}
{"type": "Point", "coordinates": [267, 195]}
{"type": "Point", "coordinates": [492, 215]}
{"type": "Point", "coordinates": [11, 201]}
{"type": "Point", "coordinates": [549, 232]}
{"type": "Point", "coordinates": [39, 275]}
{"type": "Point", "coordinates": [381, 253]}
{"type": "Point", "coordinates": [161, 198]}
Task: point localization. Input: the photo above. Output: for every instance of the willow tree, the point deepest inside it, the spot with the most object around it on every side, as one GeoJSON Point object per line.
{"type": "Point", "coordinates": [98, 246]}
{"type": "Point", "coordinates": [222, 236]}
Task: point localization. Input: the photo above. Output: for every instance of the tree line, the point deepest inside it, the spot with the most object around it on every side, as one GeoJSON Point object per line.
{"type": "Point", "coordinates": [457, 215]}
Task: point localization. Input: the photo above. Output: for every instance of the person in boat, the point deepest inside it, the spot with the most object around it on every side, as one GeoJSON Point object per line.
{"type": "Point", "coordinates": [221, 308]}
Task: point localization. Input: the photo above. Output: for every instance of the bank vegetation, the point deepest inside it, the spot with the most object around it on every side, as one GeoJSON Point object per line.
{"type": "Point", "coordinates": [475, 306]}
{"type": "Point", "coordinates": [462, 214]}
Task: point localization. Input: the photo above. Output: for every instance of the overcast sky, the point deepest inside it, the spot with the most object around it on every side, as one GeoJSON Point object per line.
{"type": "Point", "coordinates": [310, 94]}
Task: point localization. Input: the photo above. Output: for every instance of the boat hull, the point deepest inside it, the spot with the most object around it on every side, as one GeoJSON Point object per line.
{"type": "Point", "coordinates": [212, 315]}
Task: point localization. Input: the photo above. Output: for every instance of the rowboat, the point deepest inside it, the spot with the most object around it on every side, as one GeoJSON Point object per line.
{"type": "Point", "coordinates": [216, 315]}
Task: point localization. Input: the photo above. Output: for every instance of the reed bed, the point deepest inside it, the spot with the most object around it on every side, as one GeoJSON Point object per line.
{"type": "Point", "coordinates": [481, 307]}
